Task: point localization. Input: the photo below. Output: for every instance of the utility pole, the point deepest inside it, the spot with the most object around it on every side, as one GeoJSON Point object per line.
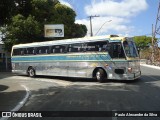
{"type": "Point", "coordinates": [153, 35]}
{"type": "Point", "coordinates": [90, 18]}
{"type": "Point", "coordinates": [156, 31]}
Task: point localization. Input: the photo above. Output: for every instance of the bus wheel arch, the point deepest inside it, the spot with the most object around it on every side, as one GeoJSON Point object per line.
{"type": "Point", "coordinates": [99, 74]}
{"type": "Point", "coordinates": [31, 71]}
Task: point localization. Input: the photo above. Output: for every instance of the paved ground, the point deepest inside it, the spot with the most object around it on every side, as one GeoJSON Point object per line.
{"type": "Point", "coordinates": [68, 94]}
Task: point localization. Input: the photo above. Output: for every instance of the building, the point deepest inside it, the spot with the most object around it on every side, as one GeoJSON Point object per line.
{"type": "Point", "coordinates": [2, 52]}
{"type": "Point", "coordinates": [5, 64]}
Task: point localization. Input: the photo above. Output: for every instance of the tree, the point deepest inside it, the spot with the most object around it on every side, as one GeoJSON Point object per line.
{"type": "Point", "coordinates": [79, 30]}
{"type": "Point", "coordinates": [25, 23]}
{"type": "Point", "coordinates": [144, 44]}
{"type": "Point", "coordinates": [7, 8]}
{"type": "Point", "coordinates": [142, 41]}
{"type": "Point", "coordinates": [22, 30]}
{"type": "Point", "coordinates": [10, 8]}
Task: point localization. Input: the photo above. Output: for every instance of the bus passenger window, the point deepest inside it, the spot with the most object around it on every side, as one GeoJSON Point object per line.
{"type": "Point", "coordinates": [69, 50]}
{"type": "Point", "coordinates": [53, 51]}
{"type": "Point", "coordinates": [61, 50]}
{"type": "Point", "coordinates": [22, 52]}
{"type": "Point", "coordinates": [100, 49]}
{"type": "Point", "coordinates": [34, 52]}
{"type": "Point", "coordinates": [30, 51]}
{"type": "Point", "coordinates": [46, 51]}
{"type": "Point", "coordinates": [77, 47]}
{"type": "Point", "coordinates": [43, 50]}
{"type": "Point", "coordinates": [39, 52]}
{"type": "Point", "coordinates": [16, 52]}
{"type": "Point", "coordinates": [58, 49]}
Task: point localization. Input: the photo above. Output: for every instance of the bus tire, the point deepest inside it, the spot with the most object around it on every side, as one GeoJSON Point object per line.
{"type": "Point", "coordinates": [100, 75]}
{"type": "Point", "coordinates": [31, 72]}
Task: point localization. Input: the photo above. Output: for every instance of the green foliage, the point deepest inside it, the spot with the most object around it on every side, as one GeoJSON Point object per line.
{"type": "Point", "coordinates": [79, 30]}
{"type": "Point", "coordinates": [43, 10]}
{"type": "Point", "coordinates": [10, 8]}
{"type": "Point", "coordinates": [24, 20]}
{"type": "Point", "coordinates": [7, 8]}
{"type": "Point", "coordinates": [142, 41]}
{"type": "Point", "coordinates": [64, 14]}
{"type": "Point", "coordinates": [22, 30]}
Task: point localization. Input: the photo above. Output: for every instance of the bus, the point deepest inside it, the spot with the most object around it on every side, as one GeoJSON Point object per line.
{"type": "Point", "coordinates": [100, 57]}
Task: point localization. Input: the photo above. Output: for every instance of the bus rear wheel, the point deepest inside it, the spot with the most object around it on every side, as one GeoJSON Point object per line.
{"type": "Point", "coordinates": [100, 75]}
{"type": "Point", "coordinates": [31, 72]}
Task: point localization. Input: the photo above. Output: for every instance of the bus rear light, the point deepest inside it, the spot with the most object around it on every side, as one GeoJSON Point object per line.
{"type": "Point", "coordinates": [130, 70]}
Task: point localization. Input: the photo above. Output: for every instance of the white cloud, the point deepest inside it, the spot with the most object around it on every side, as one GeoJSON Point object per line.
{"type": "Point", "coordinates": [103, 25]}
{"type": "Point", "coordinates": [125, 8]}
{"type": "Point", "coordinates": [120, 12]}
{"type": "Point", "coordinates": [66, 3]}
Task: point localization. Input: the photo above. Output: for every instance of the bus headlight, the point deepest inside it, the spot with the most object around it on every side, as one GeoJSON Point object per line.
{"type": "Point", "coordinates": [129, 70]}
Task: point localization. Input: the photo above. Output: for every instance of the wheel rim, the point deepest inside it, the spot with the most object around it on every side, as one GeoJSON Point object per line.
{"type": "Point", "coordinates": [98, 75]}
{"type": "Point", "coordinates": [31, 72]}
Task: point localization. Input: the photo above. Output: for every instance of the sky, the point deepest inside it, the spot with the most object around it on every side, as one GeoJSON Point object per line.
{"type": "Point", "coordinates": [121, 17]}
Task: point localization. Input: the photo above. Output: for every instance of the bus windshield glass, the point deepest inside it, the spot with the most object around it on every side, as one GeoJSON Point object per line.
{"type": "Point", "coordinates": [130, 49]}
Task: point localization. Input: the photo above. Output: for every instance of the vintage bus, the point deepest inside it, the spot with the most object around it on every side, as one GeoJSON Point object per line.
{"type": "Point", "coordinates": [101, 57]}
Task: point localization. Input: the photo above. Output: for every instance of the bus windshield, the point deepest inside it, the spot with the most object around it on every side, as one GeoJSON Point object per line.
{"type": "Point", "coordinates": [130, 49]}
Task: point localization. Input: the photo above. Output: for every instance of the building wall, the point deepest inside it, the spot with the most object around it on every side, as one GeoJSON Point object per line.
{"type": "Point", "coordinates": [3, 57]}
{"type": "Point", "coordinates": [2, 53]}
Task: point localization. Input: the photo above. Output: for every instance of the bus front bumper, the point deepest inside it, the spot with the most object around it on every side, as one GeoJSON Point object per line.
{"type": "Point", "coordinates": [132, 76]}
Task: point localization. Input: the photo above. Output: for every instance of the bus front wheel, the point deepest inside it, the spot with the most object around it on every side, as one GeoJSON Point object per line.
{"type": "Point", "coordinates": [31, 72]}
{"type": "Point", "coordinates": [100, 75]}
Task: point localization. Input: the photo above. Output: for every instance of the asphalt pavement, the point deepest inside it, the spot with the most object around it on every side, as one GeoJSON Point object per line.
{"type": "Point", "coordinates": [68, 94]}
{"type": "Point", "coordinates": [10, 94]}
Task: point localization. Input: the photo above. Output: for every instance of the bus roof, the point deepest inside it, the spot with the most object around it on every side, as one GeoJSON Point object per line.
{"type": "Point", "coordinates": [73, 40]}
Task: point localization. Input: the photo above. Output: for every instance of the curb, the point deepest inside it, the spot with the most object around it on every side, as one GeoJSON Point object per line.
{"type": "Point", "coordinates": [151, 66]}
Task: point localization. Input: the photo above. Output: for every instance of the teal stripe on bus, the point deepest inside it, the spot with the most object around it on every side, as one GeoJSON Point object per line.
{"type": "Point", "coordinates": [84, 57]}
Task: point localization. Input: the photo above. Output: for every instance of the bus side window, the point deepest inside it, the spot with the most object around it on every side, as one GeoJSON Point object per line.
{"type": "Point", "coordinates": [25, 51]}
{"type": "Point", "coordinates": [69, 49]}
{"type": "Point", "coordinates": [22, 51]}
{"type": "Point", "coordinates": [53, 51]}
{"type": "Point", "coordinates": [30, 51]}
{"type": "Point", "coordinates": [16, 52]}
{"type": "Point", "coordinates": [91, 46]}
{"type": "Point", "coordinates": [43, 50]}
{"type": "Point", "coordinates": [102, 46]}
{"type": "Point", "coordinates": [57, 49]}
{"type": "Point", "coordinates": [99, 49]}
{"type": "Point", "coordinates": [61, 50]}
{"type": "Point", "coordinates": [77, 47]}
{"type": "Point", "coordinates": [46, 51]}
{"type": "Point", "coordinates": [39, 52]}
